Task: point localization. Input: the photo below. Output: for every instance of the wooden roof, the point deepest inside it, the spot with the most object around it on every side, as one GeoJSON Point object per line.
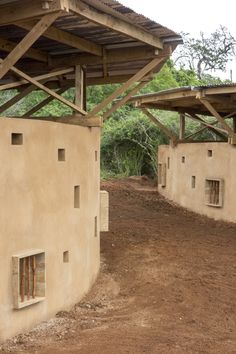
{"type": "Point", "coordinates": [111, 40]}
{"type": "Point", "coordinates": [192, 100]}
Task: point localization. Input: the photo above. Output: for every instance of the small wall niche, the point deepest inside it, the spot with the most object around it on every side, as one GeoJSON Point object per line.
{"type": "Point", "coordinates": [209, 153]}
{"type": "Point", "coordinates": [17, 139]}
{"type": "Point", "coordinates": [183, 159]}
{"type": "Point", "coordinates": [66, 257]}
{"type": "Point", "coordinates": [61, 154]}
{"type": "Point", "coordinates": [168, 163]}
{"type": "Point", "coordinates": [162, 174]}
{"type": "Point", "coordinates": [95, 226]}
{"type": "Point", "coordinates": [76, 196]}
{"type": "Point", "coordinates": [193, 182]}
{"type": "Point", "coordinates": [214, 192]}
{"type": "Point", "coordinates": [28, 278]}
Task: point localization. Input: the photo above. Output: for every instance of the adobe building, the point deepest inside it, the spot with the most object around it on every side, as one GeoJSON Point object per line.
{"type": "Point", "coordinates": [51, 207]}
{"type": "Point", "coordinates": [196, 173]}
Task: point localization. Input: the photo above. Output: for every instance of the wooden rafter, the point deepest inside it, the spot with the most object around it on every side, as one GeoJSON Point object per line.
{"type": "Point", "coordinates": [8, 46]}
{"type": "Point", "coordinates": [121, 102]}
{"type": "Point", "coordinates": [67, 38]}
{"type": "Point", "coordinates": [112, 55]}
{"type": "Point", "coordinates": [11, 13]}
{"type": "Point", "coordinates": [43, 103]}
{"type": "Point", "coordinates": [215, 114]}
{"type": "Point", "coordinates": [75, 120]}
{"type": "Point", "coordinates": [47, 90]}
{"type": "Point", "coordinates": [156, 121]}
{"type": "Point", "coordinates": [137, 77]}
{"type": "Point", "coordinates": [50, 75]}
{"type": "Point", "coordinates": [115, 24]}
{"type": "Point", "coordinates": [27, 42]}
{"type": "Point", "coordinates": [208, 125]}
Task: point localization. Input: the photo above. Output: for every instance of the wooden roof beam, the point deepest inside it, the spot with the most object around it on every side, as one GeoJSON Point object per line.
{"type": "Point", "coordinates": [50, 75]}
{"type": "Point", "coordinates": [135, 78]}
{"type": "Point", "coordinates": [115, 24]}
{"type": "Point", "coordinates": [121, 102]}
{"type": "Point", "coordinates": [8, 46]}
{"type": "Point", "coordinates": [215, 114]}
{"type": "Point", "coordinates": [11, 13]}
{"type": "Point", "coordinates": [156, 121]}
{"type": "Point", "coordinates": [27, 42]}
{"type": "Point", "coordinates": [112, 55]}
{"type": "Point", "coordinates": [67, 38]}
{"type": "Point", "coordinates": [47, 90]}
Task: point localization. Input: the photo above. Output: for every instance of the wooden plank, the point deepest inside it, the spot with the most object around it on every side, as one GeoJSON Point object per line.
{"type": "Point", "coordinates": [74, 120]}
{"type": "Point", "coordinates": [181, 126]}
{"type": "Point", "coordinates": [43, 103]}
{"type": "Point", "coordinates": [38, 78]}
{"type": "Point", "coordinates": [121, 102]}
{"type": "Point", "coordinates": [112, 56]}
{"type": "Point", "coordinates": [215, 114]}
{"type": "Point", "coordinates": [137, 77]}
{"type": "Point", "coordinates": [156, 121]}
{"type": "Point", "coordinates": [27, 42]}
{"type": "Point", "coordinates": [47, 90]}
{"type": "Point", "coordinates": [115, 24]}
{"type": "Point", "coordinates": [16, 98]}
{"type": "Point", "coordinates": [28, 9]}
{"type": "Point", "coordinates": [67, 38]}
{"type": "Point", "coordinates": [199, 120]}
{"type": "Point", "coordinates": [79, 86]}
{"type": "Point", "coordinates": [8, 46]}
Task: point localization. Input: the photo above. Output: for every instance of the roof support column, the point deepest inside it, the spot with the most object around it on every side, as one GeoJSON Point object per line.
{"type": "Point", "coordinates": [181, 126]}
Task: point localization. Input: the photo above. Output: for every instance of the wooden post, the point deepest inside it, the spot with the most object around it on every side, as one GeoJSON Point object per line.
{"type": "Point", "coordinates": [33, 265]}
{"type": "Point", "coordinates": [28, 276]}
{"type": "Point", "coordinates": [234, 124]}
{"type": "Point", "coordinates": [79, 86]}
{"type": "Point", "coordinates": [22, 281]}
{"type": "Point", "coordinates": [181, 126]}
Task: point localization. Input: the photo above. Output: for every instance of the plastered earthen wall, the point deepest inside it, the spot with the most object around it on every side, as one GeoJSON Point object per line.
{"type": "Point", "coordinates": [37, 212]}
{"type": "Point", "coordinates": [221, 165]}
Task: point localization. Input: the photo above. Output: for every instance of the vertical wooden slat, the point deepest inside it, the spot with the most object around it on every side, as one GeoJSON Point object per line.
{"type": "Point", "coordinates": [22, 281]}
{"type": "Point", "coordinates": [28, 277]}
{"type": "Point", "coordinates": [33, 264]}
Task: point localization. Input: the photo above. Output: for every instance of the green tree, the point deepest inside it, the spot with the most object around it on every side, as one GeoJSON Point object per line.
{"type": "Point", "coordinates": [205, 54]}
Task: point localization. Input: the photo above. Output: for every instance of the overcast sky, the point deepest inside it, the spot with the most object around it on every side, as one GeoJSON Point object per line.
{"type": "Point", "coordinates": [191, 17]}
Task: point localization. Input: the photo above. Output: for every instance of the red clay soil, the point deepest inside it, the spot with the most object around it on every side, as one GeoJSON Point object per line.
{"type": "Point", "coordinates": [167, 285]}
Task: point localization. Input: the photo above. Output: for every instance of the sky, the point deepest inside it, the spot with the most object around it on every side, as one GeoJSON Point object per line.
{"type": "Point", "coordinates": [190, 17]}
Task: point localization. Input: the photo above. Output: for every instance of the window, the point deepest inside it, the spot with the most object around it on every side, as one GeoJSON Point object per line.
{"type": "Point", "coordinates": [168, 162]}
{"type": "Point", "coordinates": [28, 278]}
{"type": "Point", "coordinates": [193, 181]}
{"type": "Point", "coordinates": [96, 155]}
{"type": "Point", "coordinates": [61, 154]}
{"type": "Point", "coordinates": [209, 153]}
{"type": "Point", "coordinates": [76, 196]}
{"type": "Point", "coordinates": [183, 159]}
{"type": "Point", "coordinates": [214, 192]}
{"type": "Point", "coordinates": [66, 257]}
{"type": "Point", "coordinates": [16, 139]}
{"type": "Point", "coordinates": [162, 174]}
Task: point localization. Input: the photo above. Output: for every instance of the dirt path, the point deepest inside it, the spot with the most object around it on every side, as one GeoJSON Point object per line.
{"type": "Point", "coordinates": [167, 285]}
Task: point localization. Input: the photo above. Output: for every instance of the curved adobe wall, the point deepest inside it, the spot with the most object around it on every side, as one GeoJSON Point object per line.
{"type": "Point", "coordinates": [38, 211]}
{"type": "Point", "coordinates": [191, 167]}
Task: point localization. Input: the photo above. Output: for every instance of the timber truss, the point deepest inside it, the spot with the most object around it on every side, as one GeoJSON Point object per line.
{"type": "Point", "coordinates": [197, 104]}
{"type": "Point", "coordinates": [53, 45]}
